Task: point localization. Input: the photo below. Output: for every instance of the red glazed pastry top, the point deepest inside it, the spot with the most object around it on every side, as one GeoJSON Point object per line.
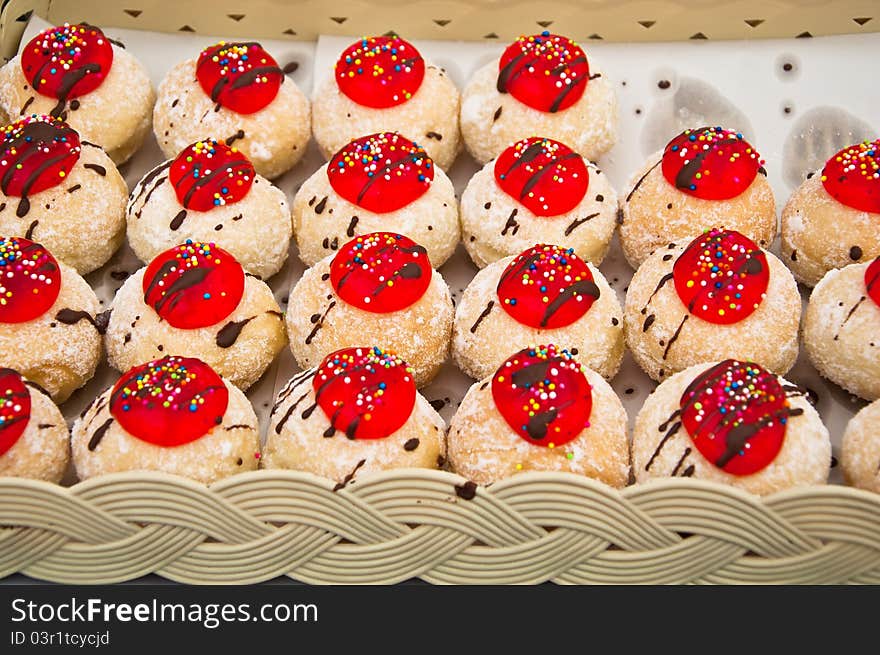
{"type": "Point", "coordinates": [722, 276]}
{"type": "Point", "coordinates": [210, 174]}
{"type": "Point", "coordinates": [30, 280]}
{"type": "Point", "coordinates": [711, 163]}
{"type": "Point", "coordinates": [366, 393]}
{"type": "Point", "coordinates": [546, 176]}
{"type": "Point", "coordinates": [852, 176]}
{"type": "Point", "coordinates": [380, 71]}
{"type": "Point", "coordinates": [872, 281]}
{"type": "Point", "coordinates": [193, 285]}
{"type": "Point", "coordinates": [543, 395]}
{"type": "Point", "coordinates": [547, 287]}
{"type": "Point", "coordinates": [381, 272]}
{"type": "Point", "coordinates": [545, 71]}
{"type": "Point", "coordinates": [170, 401]}
{"type": "Point", "coordinates": [241, 77]}
{"type": "Point", "coordinates": [38, 153]}
{"type": "Point", "coordinates": [15, 408]}
{"type": "Point", "coordinates": [66, 62]}
{"type": "Point", "coordinates": [381, 172]}
{"type": "Point", "coordinates": [736, 414]}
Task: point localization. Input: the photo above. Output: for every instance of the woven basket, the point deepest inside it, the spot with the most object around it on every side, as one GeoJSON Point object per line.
{"type": "Point", "coordinates": [394, 526]}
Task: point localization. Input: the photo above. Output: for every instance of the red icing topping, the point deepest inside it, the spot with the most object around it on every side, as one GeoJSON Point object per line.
{"type": "Point", "coordinates": [736, 414]}
{"type": "Point", "coordinates": [193, 285]}
{"type": "Point", "coordinates": [15, 408]}
{"type": "Point", "coordinates": [711, 163]}
{"type": "Point", "coordinates": [872, 281]}
{"type": "Point", "coordinates": [38, 153]}
{"type": "Point", "coordinates": [722, 276]}
{"type": "Point", "coordinates": [380, 71]}
{"type": "Point", "coordinates": [381, 172]}
{"type": "Point", "coordinates": [381, 272]}
{"type": "Point", "coordinates": [241, 77]}
{"type": "Point", "coordinates": [545, 71]}
{"type": "Point", "coordinates": [170, 401]}
{"type": "Point", "coordinates": [547, 287]}
{"type": "Point", "coordinates": [546, 176]}
{"type": "Point", "coordinates": [67, 62]}
{"type": "Point", "coordinates": [852, 176]}
{"type": "Point", "coordinates": [30, 280]}
{"type": "Point", "coordinates": [367, 393]}
{"type": "Point", "coordinates": [209, 174]}
{"type": "Point", "coordinates": [543, 395]}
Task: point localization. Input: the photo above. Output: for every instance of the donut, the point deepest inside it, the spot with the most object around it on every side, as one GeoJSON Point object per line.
{"type": "Point", "coordinates": [860, 449]}
{"type": "Point", "coordinates": [50, 319]}
{"type": "Point", "coordinates": [378, 288]}
{"type": "Point", "coordinates": [705, 177]}
{"type": "Point", "coordinates": [77, 74]}
{"type": "Point", "coordinates": [211, 192]}
{"type": "Point", "coordinates": [542, 84]}
{"type": "Point", "coordinates": [540, 411]}
{"type": "Point", "coordinates": [196, 300]}
{"type": "Point", "coordinates": [357, 412]}
{"type": "Point", "coordinates": [235, 92]}
{"type": "Point", "coordinates": [382, 84]}
{"type": "Point", "coordinates": [174, 415]}
{"type": "Point", "coordinates": [719, 296]}
{"type": "Point", "coordinates": [831, 219]}
{"type": "Point", "coordinates": [546, 293]}
{"type": "Point", "coordinates": [731, 422]}
{"type": "Point", "coordinates": [842, 328]}
{"type": "Point", "coordinates": [63, 191]}
{"type": "Point", "coordinates": [537, 191]}
{"type": "Point", "coordinates": [377, 183]}
{"type": "Point", "coordinates": [34, 442]}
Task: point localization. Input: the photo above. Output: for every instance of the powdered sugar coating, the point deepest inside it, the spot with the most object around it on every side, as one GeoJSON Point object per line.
{"type": "Point", "coordinates": [860, 450]}
{"type": "Point", "coordinates": [589, 126]}
{"type": "Point", "coordinates": [483, 447]}
{"type": "Point", "coordinates": [419, 334]}
{"type": "Point", "coordinates": [595, 339]}
{"type": "Point", "coordinates": [768, 336]}
{"type": "Point", "coordinates": [489, 233]}
{"type": "Point", "coordinates": [231, 447]}
{"type": "Point", "coordinates": [136, 333]}
{"type": "Point", "coordinates": [842, 331]}
{"type": "Point", "coordinates": [43, 449]}
{"type": "Point", "coordinates": [655, 213]}
{"type": "Point", "coordinates": [274, 138]}
{"type": "Point", "coordinates": [805, 456]}
{"type": "Point", "coordinates": [430, 118]}
{"type": "Point", "coordinates": [116, 115]}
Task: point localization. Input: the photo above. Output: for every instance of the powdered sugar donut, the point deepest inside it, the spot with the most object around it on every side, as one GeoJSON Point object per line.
{"type": "Point", "coordinates": [540, 411]}
{"type": "Point", "coordinates": [75, 73]}
{"type": "Point", "coordinates": [860, 450]}
{"type": "Point", "coordinates": [50, 328]}
{"type": "Point", "coordinates": [842, 328]}
{"type": "Point", "coordinates": [719, 296]}
{"type": "Point", "coordinates": [381, 84]}
{"type": "Point", "coordinates": [196, 300]}
{"type": "Point", "coordinates": [544, 294]}
{"type": "Point", "coordinates": [174, 415]}
{"type": "Point", "coordinates": [537, 191]}
{"type": "Point", "coordinates": [705, 177]}
{"type": "Point", "coordinates": [356, 413]}
{"type": "Point", "coordinates": [34, 442]}
{"type": "Point", "coordinates": [210, 192]}
{"type": "Point", "coordinates": [234, 91]}
{"type": "Point", "coordinates": [377, 183]}
{"type": "Point", "coordinates": [831, 219]}
{"type": "Point", "coordinates": [731, 422]}
{"type": "Point", "coordinates": [378, 288]}
{"type": "Point", "coordinates": [61, 191]}
{"type": "Point", "coordinates": [541, 84]}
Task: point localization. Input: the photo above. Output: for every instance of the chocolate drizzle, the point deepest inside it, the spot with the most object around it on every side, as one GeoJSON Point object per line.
{"type": "Point", "coordinates": [177, 221]}
{"type": "Point", "coordinates": [511, 224]}
{"type": "Point", "coordinates": [100, 170]}
{"type": "Point", "coordinates": [73, 316]}
{"type": "Point", "coordinates": [235, 137]}
{"type": "Point", "coordinates": [351, 225]}
{"type": "Point", "coordinates": [582, 288]}
{"type": "Point", "coordinates": [641, 179]}
{"type": "Point", "coordinates": [348, 478]}
{"type": "Point", "coordinates": [851, 312]}
{"type": "Point", "coordinates": [68, 81]}
{"type": "Point", "coordinates": [229, 333]}
{"type": "Point", "coordinates": [576, 223]}
{"type": "Point", "coordinates": [319, 208]}
{"type": "Point", "coordinates": [483, 315]}
{"type": "Point", "coordinates": [189, 278]}
{"type": "Point", "coordinates": [685, 177]}
{"type": "Point", "coordinates": [99, 434]}
{"type": "Point", "coordinates": [319, 322]}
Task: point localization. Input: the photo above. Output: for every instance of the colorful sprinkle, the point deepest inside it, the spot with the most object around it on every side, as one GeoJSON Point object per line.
{"type": "Point", "coordinates": [852, 176]}
{"type": "Point", "coordinates": [15, 408]}
{"type": "Point", "coordinates": [380, 71]}
{"type": "Point", "coordinates": [38, 152]}
{"type": "Point", "coordinates": [30, 280]}
{"type": "Point", "coordinates": [241, 77]}
{"type": "Point", "coordinates": [209, 174]}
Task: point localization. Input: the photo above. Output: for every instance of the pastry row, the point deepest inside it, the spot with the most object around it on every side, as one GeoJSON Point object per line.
{"type": "Point", "coordinates": [358, 412]}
